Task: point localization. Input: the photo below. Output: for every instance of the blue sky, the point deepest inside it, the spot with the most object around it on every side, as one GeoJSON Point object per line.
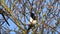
{"type": "Point", "coordinates": [13, 26]}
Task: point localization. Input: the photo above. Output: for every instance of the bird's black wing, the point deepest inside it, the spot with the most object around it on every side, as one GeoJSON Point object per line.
{"type": "Point", "coordinates": [33, 16]}
{"type": "Point", "coordinates": [5, 19]}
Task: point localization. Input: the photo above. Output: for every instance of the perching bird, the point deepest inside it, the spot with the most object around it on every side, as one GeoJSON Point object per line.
{"type": "Point", "coordinates": [2, 12]}
{"type": "Point", "coordinates": [32, 21]}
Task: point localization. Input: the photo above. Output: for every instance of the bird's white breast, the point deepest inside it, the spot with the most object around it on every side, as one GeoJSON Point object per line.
{"type": "Point", "coordinates": [32, 21]}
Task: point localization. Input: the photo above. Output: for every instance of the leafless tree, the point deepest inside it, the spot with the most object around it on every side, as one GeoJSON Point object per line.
{"type": "Point", "coordinates": [47, 13]}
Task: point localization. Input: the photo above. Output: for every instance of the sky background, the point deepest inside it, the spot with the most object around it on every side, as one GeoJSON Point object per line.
{"type": "Point", "coordinates": [13, 26]}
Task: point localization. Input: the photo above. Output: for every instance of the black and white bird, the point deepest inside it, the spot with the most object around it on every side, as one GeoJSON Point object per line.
{"type": "Point", "coordinates": [33, 20]}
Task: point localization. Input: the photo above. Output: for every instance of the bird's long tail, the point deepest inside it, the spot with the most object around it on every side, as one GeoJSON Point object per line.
{"type": "Point", "coordinates": [5, 19]}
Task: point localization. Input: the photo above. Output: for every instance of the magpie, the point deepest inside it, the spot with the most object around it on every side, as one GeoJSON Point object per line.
{"type": "Point", "coordinates": [3, 12]}
{"type": "Point", "coordinates": [32, 21]}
